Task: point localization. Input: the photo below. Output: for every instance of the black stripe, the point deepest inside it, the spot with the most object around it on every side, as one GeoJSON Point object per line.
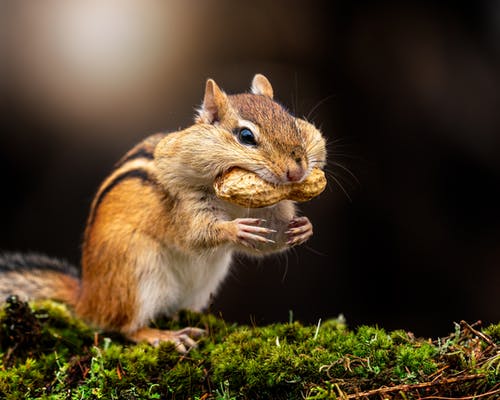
{"type": "Point", "coordinates": [134, 155]}
{"type": "Point", "coordinates": [16, 262]}
{"type": "Point", "coordinates": [132, 174]}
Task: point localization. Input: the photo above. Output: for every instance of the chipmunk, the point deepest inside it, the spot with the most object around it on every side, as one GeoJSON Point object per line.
{"type": "Point", "coordinates": [157, 239]}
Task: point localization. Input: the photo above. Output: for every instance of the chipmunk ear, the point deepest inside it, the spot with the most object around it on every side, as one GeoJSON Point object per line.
{"type": "Point", "coordinates": [261, 85]}
{"type": "Point", "coordinates": [215, 104]}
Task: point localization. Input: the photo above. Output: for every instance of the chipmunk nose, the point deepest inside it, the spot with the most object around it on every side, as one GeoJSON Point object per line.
{"type": "Point", "coordinates": [295, 173]}
{"type": "Point", "coordinates": [296, 166]}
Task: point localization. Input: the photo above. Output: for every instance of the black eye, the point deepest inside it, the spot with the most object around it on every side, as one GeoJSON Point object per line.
{"type": "Point", "coordinates": [246, 137]}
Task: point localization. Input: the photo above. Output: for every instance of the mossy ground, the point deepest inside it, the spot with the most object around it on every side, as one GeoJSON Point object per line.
{"type": "Point", "coordinates": [46, 353]}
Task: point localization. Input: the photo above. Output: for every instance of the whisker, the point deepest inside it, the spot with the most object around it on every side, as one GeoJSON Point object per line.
{"type": "Point", "coordinates": [296, 254]}
{"type": "Point", "coordinates": [314, 251]}
{"type": "Point", "coordinates": [318, 104]}
{"type": "Point", "coordinates": [285, 272]}
{"type": "Point", "coordinates": [339, 140]}
{"type": "Point", "coordinates": [345, 155]}
{"type": "Point", "coordinates": [332, 145]}
{"type": "Point", "coordinates": [343, 167]}
{"type": "Point", "coordinates": [337, 181]}
{"type": "Point", "coordinates": [333, 153]}
{"type": "Point", "coordinates": [295, 94]}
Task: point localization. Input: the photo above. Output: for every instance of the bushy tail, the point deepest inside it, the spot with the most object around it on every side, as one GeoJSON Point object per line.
{"type": "Point", "coordinates": [35, 276]}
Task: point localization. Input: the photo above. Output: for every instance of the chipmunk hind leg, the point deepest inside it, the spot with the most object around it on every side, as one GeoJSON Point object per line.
{"type": "Point", "coordinates": [183, 340]}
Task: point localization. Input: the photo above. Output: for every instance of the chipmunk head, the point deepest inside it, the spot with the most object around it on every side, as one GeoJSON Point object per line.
{"type": "Point", "coordinates": [258, 134]}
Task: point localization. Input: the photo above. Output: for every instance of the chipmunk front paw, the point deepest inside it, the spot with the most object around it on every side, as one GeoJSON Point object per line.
{"type": "Point", "coordinates": [299, 231]}
{"type": "Point", "coordinates": [250, 232]}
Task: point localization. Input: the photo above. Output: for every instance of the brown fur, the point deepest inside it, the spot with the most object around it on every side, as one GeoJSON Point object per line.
{"type": "Point", "coordinates": [129, 210]}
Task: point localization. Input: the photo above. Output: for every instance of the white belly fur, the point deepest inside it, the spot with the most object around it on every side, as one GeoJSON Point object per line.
{"type": "Point", "coordinates": [170, 281]}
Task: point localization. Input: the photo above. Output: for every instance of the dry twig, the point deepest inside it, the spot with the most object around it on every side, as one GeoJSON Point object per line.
{"type": "Point", "coordinates": [416, 386]}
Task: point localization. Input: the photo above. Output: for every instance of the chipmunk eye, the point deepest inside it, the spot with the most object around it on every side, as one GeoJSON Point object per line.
{"type": "Point", "coordinates": [246, 137]}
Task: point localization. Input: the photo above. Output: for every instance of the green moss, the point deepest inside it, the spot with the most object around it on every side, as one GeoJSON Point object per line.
{"type": "Point", "coordinates": [414, 362]}
{"type": "Point", "coordinates": [46, 353]}
{"type": "Point", "coordinates": [494, 332]}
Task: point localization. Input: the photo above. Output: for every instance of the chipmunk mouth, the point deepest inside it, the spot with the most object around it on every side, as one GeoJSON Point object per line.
{"type": "Point", "coordinates": [247, 189]}
{"type": "Point", "coordinates": [287, 177]}
{"type": "Point", "coordinates": [291, 174]}
{"type": "Point", "coordinates": [269, 176]}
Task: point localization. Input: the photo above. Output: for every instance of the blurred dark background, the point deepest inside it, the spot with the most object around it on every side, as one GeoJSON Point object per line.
{"type": "Point", "coordinates": [407, 93]}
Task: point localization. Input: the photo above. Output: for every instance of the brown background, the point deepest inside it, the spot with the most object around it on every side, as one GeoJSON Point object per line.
{"type": "Point", "coordinates": [407, 94]}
